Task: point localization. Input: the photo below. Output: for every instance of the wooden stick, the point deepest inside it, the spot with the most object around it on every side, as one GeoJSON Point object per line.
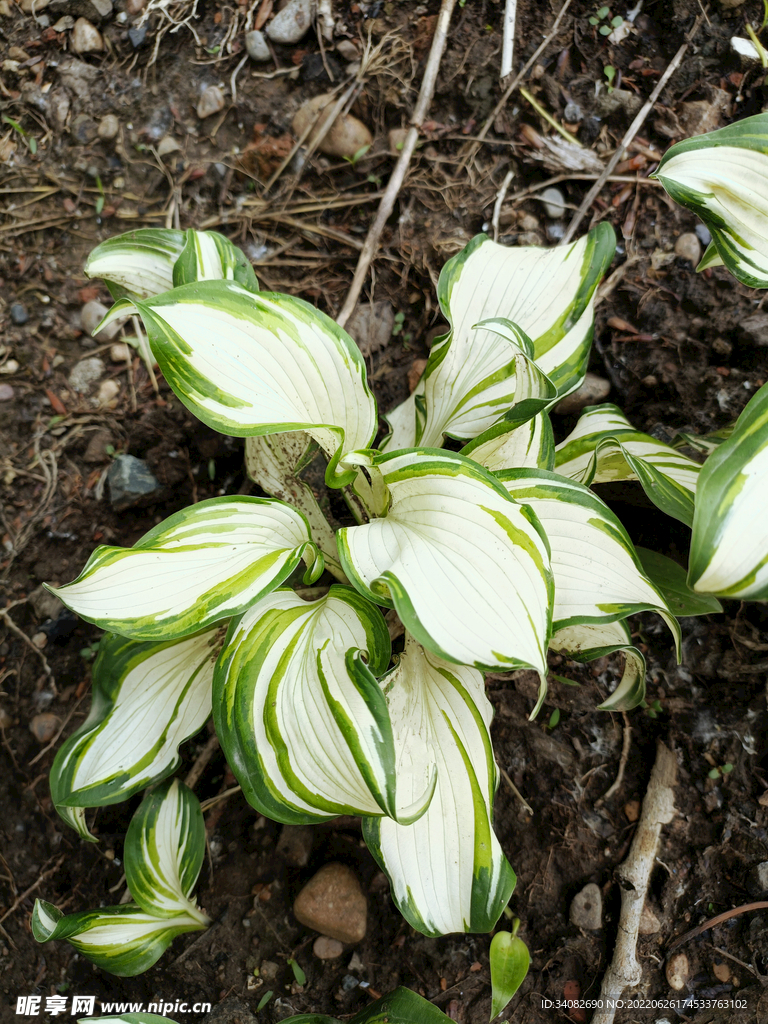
{"type": "Point", "coordinates": [634, 875]}
{"type": "Point", "coordinates": [508, 43]}
{"type": "Point", "coordinates": [633, 129]}
{"type": "Point", "coordinates": [398, 175]}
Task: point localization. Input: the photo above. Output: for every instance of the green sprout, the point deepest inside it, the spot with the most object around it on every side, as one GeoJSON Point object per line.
{"type": "Point", "coordinates": [610, 73]}
{"type": "Point", "coordinates": [603, 21]}
{"type": "Point", "coordinates": [31, 142]}
{"type": "Point", "coordinates": [716, 773]}
{"type": "Point", "coordinates": [298, 973]}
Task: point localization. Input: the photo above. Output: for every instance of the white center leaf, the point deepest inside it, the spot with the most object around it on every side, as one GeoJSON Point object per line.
{"type": "Point", "coordinates": [147, 699]}
{"type": "Point", "coordinates": [545, 293]}
{"type": "Point", "coordinates": [729, 546]}
{"type": "Point", "coordinates": [299, 713]}
{"type": "Point", "coordinates": [138, 264]}
{"type": "Point", "coordinates": [598, 576]}
{"type": "Point", "coordinates": [209, 256]}
{"type": "Point", "coordinates": [164, 850]}
{"type": "Point", "coordinates": [447, 870]}
{"type": "Point", "coordinates": [530, 445]}
{"type": "Point", "coordinates": [249, 364]}
{"type": "Point", "coordinates": [466, 568]}
{"type": "Point", "coordinates": [604, 446]}
{"type": "Point", "coordinates": [208, 562]}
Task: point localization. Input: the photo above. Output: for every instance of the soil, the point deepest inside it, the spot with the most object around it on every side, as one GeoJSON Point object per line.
{"type": "Point", "coordinates": [669, 341]}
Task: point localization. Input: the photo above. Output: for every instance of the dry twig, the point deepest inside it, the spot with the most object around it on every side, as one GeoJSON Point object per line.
{"type": "Point", "coordinates": [634, 874]}
{"type": "Point", "coordinates": [633, 129]}
{"type": "Point", "coordinates": [508, 43]}
{"type": "Point", "coordinates": [201, 761]}
{"type": "Point", "coordinates": [500, 196]}
{"type": "Point", "coordinates": [627, 743]}
{"type": "Point", "coordinates": [398, 174]}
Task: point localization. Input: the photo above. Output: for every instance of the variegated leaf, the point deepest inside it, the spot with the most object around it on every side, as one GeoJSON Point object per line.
{"type": "Point", "coordinates": [251, 364]}
{"type": "Point", "coordinates": [123, 940]}
{"type": "Point", "coordinates": [546, 293]}
{"type": "Point", "coordinates": [466, 568]}
{"type": "Point", "coordinates": [587, 642]}
{"type": "Point", "coordinates": [729, 546]}
{"type": "Point", "coordinates": [164, 850]}
{"type": "Point", "coordinates": [447, 870]}
{"type": "Point", "coordinates": [723, 177]}
{"type": "Point", "coordinates": [528, 446]}
{"type": "Point", "coordinates": [205, 563]}
{"type": "Point", "coordinates": [299, 713]}
{"type": "Point", "coordinates": [139, 263]}
{"type": "Point", "coordinates": [209, 256]}
{"type": "Point", "coordinates": [598, 576]}
{"type": "Point", "coordinates": [670, 578]}
{"type": "Point", "coordinates": [604, 446]}
{"type": "Point", "coordinates": [148, 698]}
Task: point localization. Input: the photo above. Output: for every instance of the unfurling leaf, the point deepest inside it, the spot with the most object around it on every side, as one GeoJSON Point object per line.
{"type": "Point", "coordinates": [510, 960]}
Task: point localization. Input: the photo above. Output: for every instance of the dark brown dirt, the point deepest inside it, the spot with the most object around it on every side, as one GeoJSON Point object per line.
{"type": "Point", "coordinates": [670, 342]}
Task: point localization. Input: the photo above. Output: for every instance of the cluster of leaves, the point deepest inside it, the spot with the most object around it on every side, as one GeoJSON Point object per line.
{"type": "Point", "coordinates": [488, 556]}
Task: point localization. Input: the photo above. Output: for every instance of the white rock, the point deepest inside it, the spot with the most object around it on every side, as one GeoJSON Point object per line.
{"type": "Point", "coordinates": [85, 374]}
{"type": "Point", "coordinates": [167, 145]}
{"type": "Point", "coordinates": [108, 392]}
{"type": "Point", "coordinates": [211, 102]}
{"type": "Point", "coordinates": [86, 38]}
{"type": "Point", "coordinates": [689, 247]}
{"type": "Point", "coordinates": [346, 136]}
{"type": "Point", "coordinates": [34, 6]}
{"type": "Point", "coordinates": [554, 203]}
{"type": "Point", "coordinates": [592, 391]}
{"type": "Point", "coordinates": [257, 47]}
{"type": "Point", "coordinates": [292, 23]}
{"type": "Point", "coordinates": [678, 971]}
{"type": "Point", "coordinates": [109, 126]}
{"type": "Point", "coordinates": [347, 49]}
{"type": "Point", "coordinates": [587, 908]}
{"type": "Point", "coordinates": [64, 24]}
{"type": "Point", "coordinates": [91, 316]}
{"type": "Point", "coordinates": [119, 352]}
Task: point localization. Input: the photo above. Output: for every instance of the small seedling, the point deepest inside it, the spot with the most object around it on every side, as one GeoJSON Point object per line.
{"type": "Point", "coordinates": [717, 772]}
{"type": "Point", "coordinates": [610, 73]}
{"type": "Point", "coordinates": [89, 653]}
{"type": "Point", "coordinates": [299, 975]}
{"type": "Point", "coordinates": [100, 200]}
{"type": "Point", "coordinates": [603, 21]}
{"type": "Point", "coordinates": [358, 156]}
{"type": "Point", "coordinates": [554, 719]}
{"type": "Point", "coordinates": [264, 1000]}
{"type": "Point", "coordinates": [652, 710]}
{"type": "Point", "coordinates": [31, 142]}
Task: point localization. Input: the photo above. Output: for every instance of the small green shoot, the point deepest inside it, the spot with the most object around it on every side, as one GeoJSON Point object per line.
{"type": "Point", "coordinates": [89, 653]}
{"type": "Point", "coordinates": [765, 16]}
{"type": "Point", "coordinates": [610, 73]}
{"type": "Point", "coordinates": [554, 719]}
{"type": "Point", "coordinates": [264, 1000]}
{"type": "Point", "coordinates": [715, 773]}
{"type": "Point", "coordinates": [211, 469]}
{"type": "Point", "coordinates": [100, 200]}
{"type": "Point", "coordinates": [30, 142]}
{"type": "Point", "coordinates": [510, 960]}
{"type": "Point", "coordinates": [356, 157]}
{"type": "Point", "coordinates": [564, 681]}
{"type": "Point", "coordinates": [603, 22]}
{"type": "Point", "coordinates": [652, 710]}
{"type": "Point", "coordinates": [299, 975]}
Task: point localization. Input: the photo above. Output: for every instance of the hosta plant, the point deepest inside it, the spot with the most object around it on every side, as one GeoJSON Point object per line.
{"type": "Point", "coordinates": [485, 554]}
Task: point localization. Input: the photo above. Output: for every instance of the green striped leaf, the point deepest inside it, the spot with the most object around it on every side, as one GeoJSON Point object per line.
{"type": "Point", "coordinates": [209, 256]}
{"type": "Point", "coordinates": [399, 1007]}
{"type": "Point", "coordinates": [503, 446]}
{"type": "Point", "coordinates": [148, 698]}
{"type": "Point", "coordinates": [447, 870]}
{"type": "Point", "coordinates": [137, 264]}
{"type": "Point", "coordinates": [598, 576]}
{"type": "Point", "coordinates": [546, 293]}
{"type": "Point", "coordinates": [670, 578]}
{"type": "Point", "coordinates": [587, 642]}
{"type": "Point", "coordinates": [729, 546]}
{"type": "Point", "coordinates": [164, 850]}
{"type": "Point", "coordinates": [123, 940]}
{"type": "Point", "coordinates": [466, 567]}
{"type": "Point", "coordinates": [205, 563]}
{"type": "Point", "coordinates": [723, 177]}
{"type": "Point", "coordinates": [251, 364]}
{"type": "Point", "coordinates": [299, 713]}
{"type": "Point", "coordinates": [604, 446]}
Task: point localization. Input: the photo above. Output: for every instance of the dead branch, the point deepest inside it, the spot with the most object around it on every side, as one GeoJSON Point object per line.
{"type": "Point", "coordinates": [633, 876]}
{"type": "Point", "coordinates": [398, 174]}
{"type": "Point", "coordinates": [508, 43]}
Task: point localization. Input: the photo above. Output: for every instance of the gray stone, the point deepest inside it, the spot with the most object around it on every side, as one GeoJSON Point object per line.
{"type": "Point", "coordinates": [572, 113]}
{"type": "Point", "coordinates": [591, 391]}
{"type": "Point", "coordinates": [137, 36]}
{"type": "Point", "coordinates": [291, 23]}
{"type": "Point", "coordinates": [760, 872]}
{"type": "Point", "coordinates": [327, 949]}
{"type": "Point", "coordinates": [6, 393]}
{"type": "Point", "coordinates": [256, 46]}
{"type": "Point", "coordinates": [19, 314]}
{"type": "Point", "coordinates": [132, 484]}
{"type": "Point", "coordinates": [703, 234]}
{"type": "Point", "coordinates": [295, 844]}
{"type": "Point", "coordinates": [587, 909]}
{"type": "Point", "coordinates": [688, 247]}
{"type": "Point", "coordinates": [554, 203]}
{"type": "Point", "coordinates": [333, 904]}
{"type": "Point", "coordinates": [211, 102]}
{"type": "Point", "coordinates": [45, 605]}
{"type": "Point", "coordinates": [756, 326]}
{"type": "Point", "coordinates": [44, 726]}
{"type": "Point", "coordinates": [85, 374]}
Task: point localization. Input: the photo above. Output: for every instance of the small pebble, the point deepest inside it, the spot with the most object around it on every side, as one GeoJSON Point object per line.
{"type": "Point", "coordinates": [291, 23]}
{"type": "Point", "coordinates": [86, 38]}
{"type": "Point", "coordinates": [5, 719]}
{"type": "Point", "coordinates": [167, 145]}
{"type": "Point", "coordinates": [678, 971]}
{"type": "Point", "coordinates": [649, 923]}
{"type": "Point", "coordinates": [19, 314]}
{"type": "Point", "coordinates": [137, 36]}
{"type": "Point", "coordinates": [760, 873]}
{"type": "Point", "coordinates": [109, 126]}
{"type": "Point", "coordinates": [6, 393]}
{"type": "Point", "coordinates": [396, 139]}
{"type": "Point", "coordinates": [346, 136]}
{"type": "Point", "coordinates": [632, 810]}
{"type": "Point", "coordinates": [37, 5]}
{"type": "Point", "coordinates": [295, 844]}
{"type": "Point", "coordinates": [333, 903]}
{"type": "Point", "coordinates": [108, 392]}
{"type": "Point", "coordinates": [528, 222]}
{"type": "Point", "coordinates": [10, 366]}
{"type": "Point", "coordinates": [40, 640]}
{"type": "Point", "coordinates": [256, 46]}
{"type": "Point", "coordinates": [134, 7]}
{"type": "Point", "coordinates": [65, 24]}
{"type": "Point", "coordinates": [211, 102]}
{"type": "Point", "coordinates": [347, 49]}
{"type": "Point", "coordinates": [721, 971]}
{"type": "Point", "coordinates": [132, 484]}
{"type": "Point", "coordinates": [44, 604]}
{"type": "Point", "coordinates": [92, 314]}
{"type": "Point", "coordinates": [530, 238]}
{"type": "Point", "coordinates": [587, 908]}
{"type": "Point", "coordinates": [43, 727]}
{"type": "Point", "coordinates": [572, 113]}
{"type": "Point", "coordinates": [327, 949]}
{"type": "Point", "coordinates": [554, 203]}
{"type": "Point", "coordinates": [591, 391]}
{"type": "Point", "coordinates": [688, 247]}
{"type": "Point", "coordinates": [703, 234]}
{"type": "Point", "coordinates": [119, 352]}
{"type": "Point", "coordinates": [85, 374]}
